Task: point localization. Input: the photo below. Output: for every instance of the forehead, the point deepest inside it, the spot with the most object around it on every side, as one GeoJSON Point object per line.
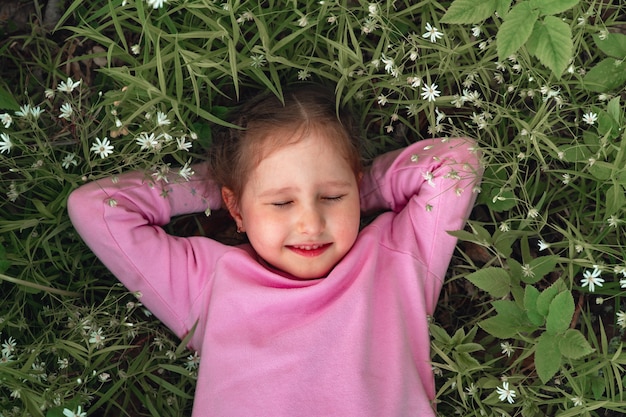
{"type": "Point", "coordinates": [266, 141]}
{"type": "Point", "coordinates": [312, 160]}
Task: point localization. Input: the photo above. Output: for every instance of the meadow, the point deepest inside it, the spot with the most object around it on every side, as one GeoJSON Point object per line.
{"type": "Point", "coordinates": [532, 317]}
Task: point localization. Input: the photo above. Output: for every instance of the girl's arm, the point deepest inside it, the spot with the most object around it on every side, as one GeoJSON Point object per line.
{"type": "Point", "coordinates": [120, 219]}
{"type": "Point", "coordinates": [431, 185]}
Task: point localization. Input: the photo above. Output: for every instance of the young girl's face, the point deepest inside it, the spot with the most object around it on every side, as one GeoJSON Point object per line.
{"type": "Point", "coordinates": [300, 207]}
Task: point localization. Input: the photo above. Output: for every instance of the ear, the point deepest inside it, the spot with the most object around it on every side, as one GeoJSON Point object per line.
{"type": "Point", "coordinates": [233, 207]}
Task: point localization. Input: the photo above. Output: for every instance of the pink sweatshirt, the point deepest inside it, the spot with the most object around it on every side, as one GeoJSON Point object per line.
{"type": "Point", "coordinates": [354, 343]}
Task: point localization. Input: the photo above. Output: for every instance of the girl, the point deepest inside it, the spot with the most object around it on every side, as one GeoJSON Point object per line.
{"type": "Point", "coordinates": [312, 317]}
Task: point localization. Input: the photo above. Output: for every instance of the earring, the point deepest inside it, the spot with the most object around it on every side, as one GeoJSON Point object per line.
{"type": "Point", "coordinates": [239, 229]}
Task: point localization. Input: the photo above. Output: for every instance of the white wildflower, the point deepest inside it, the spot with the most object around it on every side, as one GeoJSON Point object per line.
{"type": "Point", "coordinates": [8, 347]}
{"type": "Point", "coordinates": [543, 245]}
{"type": "Point", "coordinates": [5, 143]}
{"type": "Point", "coordinates": [162, 119]}
{"type": "Point", "coordinates": [135, 49]}
{"type": "Point", "coordinates": [533, 213]}
{"type": "Point", "coordinates": [432, 33]}
{"type": "Point", "coordinates": [68, 86]}
{"type": "Point", "coordinates": [6, 120]}
{"type": "Point", "coordinates": [79, 412]}
{"type": "Point", "coordinates": [69, 160]}
{"type": "Point", "coordinates": [505, 393]}
{"type": "Point", "coordinates": [185, 171]}
{"type": "Point", "coordinates": [590, 118]}
{"type": "Point", "coordinates": [182, 144]}
{"type": "Point", "coordinates": [156, 4]}
{"type": "Point", "coordinates": [66, 111]}
{"type": "Point", "coordinates": [613, 221]}
{"type": "Point", "coordinates": [192, 362]}
{"type": "Point", "coordinates": [578, 401]}
{"type": "Point", "coordinates": [621, 319]}
{"type": "Point", "coordinates": [507, 348]}
{"type": "Point", "coordinates": [148, 142]}
{"type": "Point", "coordinates": [592, 279]}
{"type": "Point", "coordinates": [430, 93]}
{"type": "Point", "coordinates": [103, 147]}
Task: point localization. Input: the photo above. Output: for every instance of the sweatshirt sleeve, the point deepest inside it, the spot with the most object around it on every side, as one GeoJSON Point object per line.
{"type": "Point", "coordinates": [431, 187]}
{"type": "Point", "coordinates": [120, 219]}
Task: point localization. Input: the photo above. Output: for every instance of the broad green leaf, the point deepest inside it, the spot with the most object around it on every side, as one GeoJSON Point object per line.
{"type": "Point", "coordinates": [503, 6]}
{"type": "Point", "coordinates": [510, 320]}
{"type": "Point", "coordinates": [469, 11]}
{"type": "Point", "coordinates": [614, 109]}
{"type": "Point", "coordinates": [469, 347]}
{"type": "Point", "coordinates": [501, 200]}
{"type": "Point", "coordinates": [607, 125]}
{"type": "Point", "coordinates": [495, 281]}
{"type": "Point", "coordinates": [609, 74]}
{"type": "Point", "coordinates": [439, 334]}
{"type": "Point", "coordinates": [615, 199]}
{"type": "Point", "coordinates": [499, 326]}
{"type": "Point", "coordinates": [465, 362]}
{"type": "Point", "coordinates": [541, 267]}
{"type": "Point", "coordinates": [531, 294]}
{"type": "Point", "coordinates": [614, 45]}
{"type": "Point", "coordinates": [601, 170]}
{"type": "Point", "coordinates": [598, 386]}
{"type": "Point", "coordinates": [516, 29]}
{"type": "Point", "coordinates": [7, 102]}
{"type": "Point", "coordinates": [547, 7]}
{"type": "Point", "coordinates": [573, 345]}
{"type": "Point", "coordinates": [547, 357]}
{"type": "Point", "coordinates": [547, 295]}
{"type": "Point", "coordinates": [551, 42]}
{"type": "Point", "coordinates": [560, 313]}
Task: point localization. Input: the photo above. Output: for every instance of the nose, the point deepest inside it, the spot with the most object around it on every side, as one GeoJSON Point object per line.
{"type": "Point", "coordinates": [311, 221]}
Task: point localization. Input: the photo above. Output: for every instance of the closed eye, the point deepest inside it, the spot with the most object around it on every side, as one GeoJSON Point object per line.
{"type": "Point", "coordinates": [282, 203]}
{"type": "Point", "coordinates": [334, 198]}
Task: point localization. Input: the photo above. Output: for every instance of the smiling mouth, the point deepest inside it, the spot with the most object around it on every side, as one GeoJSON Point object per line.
{"type": "Point", "coordinates": [309, 250]}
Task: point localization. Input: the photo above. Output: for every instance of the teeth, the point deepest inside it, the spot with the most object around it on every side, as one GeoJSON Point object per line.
{"type": "Point", "coordinates": [308, 247]}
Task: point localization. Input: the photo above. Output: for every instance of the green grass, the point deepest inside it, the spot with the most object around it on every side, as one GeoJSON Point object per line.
{"type": "Point", "coordinates": [550, 212]}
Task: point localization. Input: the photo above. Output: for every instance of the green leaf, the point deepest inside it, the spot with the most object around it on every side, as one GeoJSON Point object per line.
{"type": "Point", "coordinates": [547, 7]}
{"type": "Point", "coordinates": [551, 42]}
{"type": "Point", "coordinates": [547, 295]}
{"type": "Point", "coordinates": [541, 267]}
{"type": "Point", "coordinates": [547, 357]}
{"type": "Point", "coordinates": [496, 281]}
{"type": "Point", "coordinates": [560, 313]}
{"type": "Point", "coordinates": [531, 294]}
{"type": "Point", "coordinates": [516, 29]}
{"type": "Point", "coordinates": [573, 345]}
{"type": "Point", "coordinates": [510, 320]}
{"type": "Point", "coordinates": [615, 111]}
{"type": "Point", "coordinates": [469, 11]}
{"type": "Point", "coordinates": [7, 101]}
{"type": "Point", "coordinates": [615, 199]}
{"type": "Point", "coordinates": [501, 200]}
{"type": "Point", "coordinates": [469, 347]}
{"type": "Point", "coordinates": [439, 334]}
{"type": "Point", "coordinates": [609, 74]}
{"type": "Point", "coordinates": [614, 45]}
{"type": "Point", "coordinates": [503, 6]}
{"type": "Point", "coordinates": [465, 362]}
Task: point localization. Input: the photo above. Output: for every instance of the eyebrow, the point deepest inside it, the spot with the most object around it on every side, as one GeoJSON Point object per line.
{"type": "Point", "coordinates": [286, 190]}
